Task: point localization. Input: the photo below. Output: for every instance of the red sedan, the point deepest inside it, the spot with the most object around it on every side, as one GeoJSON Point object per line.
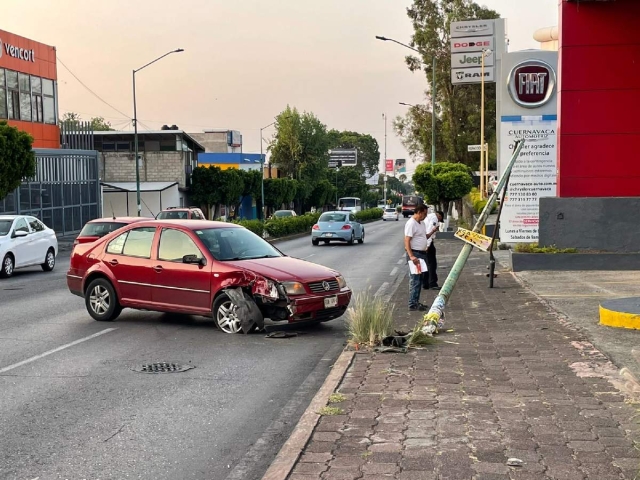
{"type": "Point", "coordinates": [95, 229]}
{"type": "Point", "coordinates": [200, 267]}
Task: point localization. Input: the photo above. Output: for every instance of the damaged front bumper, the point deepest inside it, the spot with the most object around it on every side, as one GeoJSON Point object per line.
{"type": "Point", "coordinates": [304, 309]}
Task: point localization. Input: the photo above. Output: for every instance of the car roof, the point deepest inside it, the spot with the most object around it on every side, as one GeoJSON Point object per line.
{"type": "Point", "coordinates": [119, 219]}
{"type": "Point", "coordinates": [190, 224]}
{"type": "Point", "coordinates": [10, 217]}
{"type": "Point", "coordinates": [343, 212]}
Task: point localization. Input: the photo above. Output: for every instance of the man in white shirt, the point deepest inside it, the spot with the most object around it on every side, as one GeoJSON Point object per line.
{"type": "Point", "coordinates": [416, 241]}
{"type": "Point", "coordinates": [430, 279]}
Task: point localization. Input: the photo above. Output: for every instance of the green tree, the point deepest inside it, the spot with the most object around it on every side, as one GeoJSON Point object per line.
{"type": "Point", "coordinates": [444, 185]}
{"type": "Point", "coordinates": [232, 186]}
{"type": "Point", "coordinates": [205, 188]}
{"type": "Point", "coordinates": [17, 159]}
{"type": "Point", "coordinates": [457, 106]}
{"type": "Point", "coordinates": [366, 145]}
{"type": "Point", "coordinates": [98, 124]}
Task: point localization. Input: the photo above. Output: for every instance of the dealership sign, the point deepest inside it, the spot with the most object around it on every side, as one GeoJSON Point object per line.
{"type": "Point", "coordinates": [531, 83]}
{"type": "Point", "coordinates": [474, 44]}
{"type": "Point", "coordinates": [464, 60]}
{"type": "Point", "coordinates": [471, 28]}
{"type": "Point", "coordinates": [15, 52]}
{"type": "Point", "coordinates": [471, 75]}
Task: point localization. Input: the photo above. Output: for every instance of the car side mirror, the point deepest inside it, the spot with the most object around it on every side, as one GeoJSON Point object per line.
{"type": "Point", "coordinates": [194, 259]}
{"type": "Point", "coordinates": [19, 234]}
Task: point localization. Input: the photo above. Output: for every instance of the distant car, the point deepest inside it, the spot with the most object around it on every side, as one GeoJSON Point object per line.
{"type": "Point", "coordinates": [181, 213]}
{"type": "Point", "coordinates": [98, 228]}
{"type": "Point", "coordinates": [390, 214]}
{"type": "Point", "coordinates": [24, 242]}
{"type": "Point", "coordinates": [199, 267]}
{"type": "Point", "coordinates": [339, 226]}
{"type": "Point", "coordinates": [283, 214]}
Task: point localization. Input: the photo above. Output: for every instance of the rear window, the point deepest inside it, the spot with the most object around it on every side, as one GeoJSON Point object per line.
{"type": "Point", "coordinates": [390, 210]}
{"type": "Point", "coordinates": [283, 213]}
{"type": "Point", "coordinates": [173, 215]}
{"type": "Point", "coordinates": [332, 217]}
{"type": "Point", "coordinates": [100, 229]}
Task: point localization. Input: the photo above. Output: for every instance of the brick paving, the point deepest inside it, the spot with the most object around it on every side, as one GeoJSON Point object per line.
{"type": "Point", "coordinates": [511, 381]}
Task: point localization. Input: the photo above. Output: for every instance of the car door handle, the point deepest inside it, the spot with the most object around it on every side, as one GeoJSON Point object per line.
{"type": "Point", "coordinates": [158, 268]}
{"type": "Point", "coordinates": [113, 262]}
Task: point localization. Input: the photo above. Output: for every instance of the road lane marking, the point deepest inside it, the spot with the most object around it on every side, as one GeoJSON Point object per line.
{"type": "Point", "coordinates": [308, 256]}
{"type": "Point", "coordinates": [381, 290]}
{"type": "Point", "coordinates": [50, 352]}
{"type": "Point", "coordinates": [394, 271]}
{"type": "Point", "coordinates": [401, 261]}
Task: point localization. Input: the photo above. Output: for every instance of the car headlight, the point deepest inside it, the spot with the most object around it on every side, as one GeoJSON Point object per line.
{"type": "Point", "coordinates": [294, 288]}
{"type": "Point", "coordinates": [341, 281]}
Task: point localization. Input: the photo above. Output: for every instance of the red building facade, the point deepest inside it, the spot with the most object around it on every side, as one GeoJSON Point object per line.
{"type": "Point", "coordinates": [599, 99]}
{"type": "Point", "coordinates": [28, 88]}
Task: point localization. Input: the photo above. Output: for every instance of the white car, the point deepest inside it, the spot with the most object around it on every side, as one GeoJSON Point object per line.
{"type": "Point", "coordinates": [390, 214]}
{"type": "Point", "coordinates": [24, 242]}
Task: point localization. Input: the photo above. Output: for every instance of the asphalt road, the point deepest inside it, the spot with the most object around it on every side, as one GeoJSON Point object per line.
{"type": "Point", "coordinates": [72, 407]}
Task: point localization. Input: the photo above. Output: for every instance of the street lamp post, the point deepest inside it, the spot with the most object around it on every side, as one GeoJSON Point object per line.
{"type": "Point", "coordinates": [135, 126]}
{"type": "Point", "coordinates": [433, 96]}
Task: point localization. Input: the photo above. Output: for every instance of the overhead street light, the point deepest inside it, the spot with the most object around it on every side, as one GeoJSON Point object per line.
{"type": "Point", "coordinates": [135, 125]}
{"type": "Point", "coordinates": [406, 104]}
{"type": "Point", "coordinates": [433, 95]}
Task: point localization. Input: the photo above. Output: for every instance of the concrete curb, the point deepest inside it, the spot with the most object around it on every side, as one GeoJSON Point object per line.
{"type": "Point", "coordinates": [288, 455]}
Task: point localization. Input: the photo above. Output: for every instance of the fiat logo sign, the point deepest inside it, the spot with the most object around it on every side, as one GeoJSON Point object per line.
{"type": "Point", "coordinates": [531, 83]}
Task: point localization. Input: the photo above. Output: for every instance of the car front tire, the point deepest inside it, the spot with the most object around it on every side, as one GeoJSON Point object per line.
{"type": "Point", "coordinates": [315, 242]}
{"type": "Point", "coordinates": [7, 267]}
{"type": "Point", "coordinates": [49, 261]}
{"type": "Point", "coordinates": [224, 314]}
{"type": "Point", "coordinates": [101, 301]}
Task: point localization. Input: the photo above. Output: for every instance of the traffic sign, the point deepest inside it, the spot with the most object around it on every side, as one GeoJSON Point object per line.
{"type": "Point", "coordinates": [476, 148]}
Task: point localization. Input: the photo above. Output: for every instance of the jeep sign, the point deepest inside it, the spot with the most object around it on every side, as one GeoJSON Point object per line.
{"type": "Point", "coordinates": [531, 83]}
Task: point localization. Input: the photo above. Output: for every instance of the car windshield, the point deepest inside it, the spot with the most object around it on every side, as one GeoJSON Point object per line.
{"type": "Point", "coordinates": [5, 226]}
{"type": "Point", "coordinates": [332, 217]}
{"type": "Point", "coordinates": [236, 244]}
{"type": "Point", "coordinates": [100, 229]}
{"type": "Point", "coordinates": [172, 215]}
{"type": "Point", "coordinates": [282, 213]}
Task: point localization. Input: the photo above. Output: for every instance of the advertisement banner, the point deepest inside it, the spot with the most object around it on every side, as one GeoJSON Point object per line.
{"type": "Point", "coordinates": [401, 165]}
{"type": "Point", "coordinates": [534, 174]}
{"type": "Point", "coordinates": [388, 165]}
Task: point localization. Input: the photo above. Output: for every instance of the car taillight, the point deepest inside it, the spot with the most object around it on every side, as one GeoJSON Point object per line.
{"type": "Point", "coordinates": [346, 227]}
{"type": "Point", "coordinates": [316, 227]}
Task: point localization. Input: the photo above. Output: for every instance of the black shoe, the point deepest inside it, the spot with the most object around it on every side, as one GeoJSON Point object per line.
{"type": "Point", "coordinates": [425, 288]}
{"type": "Point", "coordinates": [419, 308]}
{"type": "Point", "coordinates": [435, 288]}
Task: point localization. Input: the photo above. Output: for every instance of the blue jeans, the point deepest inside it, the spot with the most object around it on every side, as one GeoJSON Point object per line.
{"type": "Point", "coordinates": [415, 281]}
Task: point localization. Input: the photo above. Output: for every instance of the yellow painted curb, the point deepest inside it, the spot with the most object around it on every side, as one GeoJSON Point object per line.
{"type": "Point", "coordinates": [616, 319]}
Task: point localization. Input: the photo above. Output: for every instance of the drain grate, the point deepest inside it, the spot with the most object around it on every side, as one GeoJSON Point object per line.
{"type": "Point", "coordinates": [162, 367]}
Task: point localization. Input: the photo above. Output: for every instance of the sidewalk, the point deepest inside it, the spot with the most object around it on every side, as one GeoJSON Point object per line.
{"type": "Point", "coordinates": [513, 380]}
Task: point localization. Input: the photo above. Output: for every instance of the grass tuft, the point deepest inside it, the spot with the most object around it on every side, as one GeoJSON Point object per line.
{"type": "Point", "coordinates": [534, 248]}
{"type": "Point", "coordinates": [418, 338]}
{"type": "Point", "coordinates": [330, 411]}
{"type": "Point", "coordinates": [369, 320]}
{"type": "Point", "coordinates": [337, 398]}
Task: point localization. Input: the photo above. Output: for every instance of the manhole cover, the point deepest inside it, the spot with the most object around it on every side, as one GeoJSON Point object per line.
{"type": "Point", "coordinates": [162, 367]}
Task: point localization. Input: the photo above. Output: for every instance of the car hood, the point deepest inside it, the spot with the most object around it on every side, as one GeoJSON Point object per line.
{"type": "Point", "coordinates": [286, 269]}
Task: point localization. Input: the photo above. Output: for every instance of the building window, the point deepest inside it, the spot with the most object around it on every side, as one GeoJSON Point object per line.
{"type": "Point", "coordinates": [25, 97]}
{"type": "Point", "coordinates": [13, 95]}
{"type": "Point", "coordinates": [36, 98]}
{"type": "Point", "coordinates": [3, 96]}
{"type": "Point", "coordinates": [48, 101]}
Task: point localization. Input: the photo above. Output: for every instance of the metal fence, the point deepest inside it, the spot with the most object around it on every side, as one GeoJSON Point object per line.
{"type": "Point", "coordinates": [64, 193]}
{"type": "Point", "coordinates": [76, 135]}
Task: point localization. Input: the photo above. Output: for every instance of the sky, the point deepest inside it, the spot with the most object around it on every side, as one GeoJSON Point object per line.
{"type": "Point", "coordinates": [244, 60]}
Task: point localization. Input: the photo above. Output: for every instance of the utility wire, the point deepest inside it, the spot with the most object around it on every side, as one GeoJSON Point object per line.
{"type": "Point", "coordinates": [91, 91]}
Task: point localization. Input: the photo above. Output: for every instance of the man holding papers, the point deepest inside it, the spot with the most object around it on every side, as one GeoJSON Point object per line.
{"type": "Point", "coordinates": [416, 241]}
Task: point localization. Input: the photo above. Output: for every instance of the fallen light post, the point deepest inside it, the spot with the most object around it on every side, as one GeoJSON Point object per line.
{"type": "Point", "coordinates": [492, 259]}
{"type": "Point", "coordinates": [432, 321]}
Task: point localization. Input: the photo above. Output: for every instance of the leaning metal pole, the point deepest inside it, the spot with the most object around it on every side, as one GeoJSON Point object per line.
{"type": "Point", "coordinates": [432, 320]}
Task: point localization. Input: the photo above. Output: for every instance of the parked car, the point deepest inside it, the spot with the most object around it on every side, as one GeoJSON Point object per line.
{"type": "Point", "coordinates": [181, 213]}
{"type": "Point", "coordinates": [24, 242]}
{"type": "Point", "coordinates": [283, 213]}
{"type": "Point", "coordinates": [390, 214]}
{"type": "Point", "coordinates": [205, 268]}
{"type": "Point", "coordinates": [338, 226]}
{"type": "Point", "coordinates": [98, 228]}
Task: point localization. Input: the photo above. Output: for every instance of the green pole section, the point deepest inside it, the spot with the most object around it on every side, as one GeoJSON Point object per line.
{"type": "Point", "coordinates": [431, 321]}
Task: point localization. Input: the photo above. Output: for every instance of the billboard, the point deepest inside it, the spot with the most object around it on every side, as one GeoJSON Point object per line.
{"type": "Point", "coordinates": [343, 157]}
{"type": "Point", "coordinates": [388, 165]}
{"type": "Point", "coordinates": [401, 165]}
{"type": "Point", "coordinates": [470, 41]}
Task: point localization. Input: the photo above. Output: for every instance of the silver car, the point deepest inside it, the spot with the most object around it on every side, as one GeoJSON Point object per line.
{"type": "Point", "coordinates": [338, 226]}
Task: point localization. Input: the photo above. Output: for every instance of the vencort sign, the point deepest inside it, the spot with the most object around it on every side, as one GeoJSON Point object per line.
{"type": "Point", "coordinates": [531, 83]}
{"type": "Point", "coordinates": [15, 52]}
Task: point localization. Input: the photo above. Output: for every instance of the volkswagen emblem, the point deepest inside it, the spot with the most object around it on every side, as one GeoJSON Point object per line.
{"type": "Point", "coordinates": [326, 286]}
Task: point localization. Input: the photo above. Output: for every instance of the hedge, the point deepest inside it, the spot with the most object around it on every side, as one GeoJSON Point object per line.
{"type": "Point", "coordinates": [369, 214]}
{"type": "Point", "coordinates": [281, 227]}
{"type": "Point", "coordinates": [256, 226]}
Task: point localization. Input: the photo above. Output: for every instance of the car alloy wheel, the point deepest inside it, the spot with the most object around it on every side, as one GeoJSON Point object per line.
{"type": "Point", "coordinates": [49, 261]}
{"type": "Point", "coordinates": [99, 300]}
{"type": "Point", "coordinates": [227, 317]}
{"type": "Point", "coordinates": [7, 266]}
